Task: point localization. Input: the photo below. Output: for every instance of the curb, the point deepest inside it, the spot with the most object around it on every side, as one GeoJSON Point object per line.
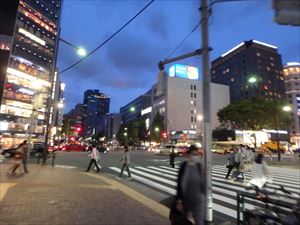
{"type": "Point", "coordinates": [151, 204]}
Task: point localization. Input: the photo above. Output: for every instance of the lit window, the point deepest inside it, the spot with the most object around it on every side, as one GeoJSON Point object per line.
{"type": "Point", "coordinates": [257, 54]}
{"type": "Point", "coordinates": [232, 79]}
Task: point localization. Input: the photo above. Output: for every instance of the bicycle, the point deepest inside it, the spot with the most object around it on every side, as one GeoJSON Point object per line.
{"type": "Point", "coordinates": [275, 211]}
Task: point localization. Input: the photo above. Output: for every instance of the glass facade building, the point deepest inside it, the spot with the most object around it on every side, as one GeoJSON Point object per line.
{"type": "Point", "coordinates": [29, 72]}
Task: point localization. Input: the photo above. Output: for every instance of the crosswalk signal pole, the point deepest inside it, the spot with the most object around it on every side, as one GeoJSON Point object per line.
{"type": "Point", "coordinates": [204, 10]}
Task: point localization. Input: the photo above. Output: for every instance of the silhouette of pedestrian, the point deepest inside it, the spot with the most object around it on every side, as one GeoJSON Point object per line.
{"type": "Point", "coordinates": [126, 161]}
{"type": "Point", "coordinates": [172, 158]}
{"type": "Point", "coordinates": [94, 158]}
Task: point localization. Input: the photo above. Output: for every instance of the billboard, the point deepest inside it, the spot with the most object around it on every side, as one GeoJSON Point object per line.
{"type": "Point", "coordinates": [182, 71]}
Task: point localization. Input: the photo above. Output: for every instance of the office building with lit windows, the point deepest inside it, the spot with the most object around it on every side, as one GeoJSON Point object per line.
{"type": "Point", "coordinates": [250, 59]}
{"type": "Point", "coordinates": [29, 35]}
{"type": "Point", "coordinates": [134, 109]}
{"type": "Point", "coordinates": [177, 97]}
{"type": "Point", "coordinates": [96, 109]}
{"type": "Point", "coordinates": [291, 72]}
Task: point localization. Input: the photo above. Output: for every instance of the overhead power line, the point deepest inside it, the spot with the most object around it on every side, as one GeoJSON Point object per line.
{"type": "Point", "coordinates": [109, 38]}
{"type": "Point", "coordinates": [181, 43]}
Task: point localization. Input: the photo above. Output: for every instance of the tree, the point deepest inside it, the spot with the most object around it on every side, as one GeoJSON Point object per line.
{"type": "Point", "coordinates": [157, 127]}
{"type": "Point", "coordinates": [254, 114]}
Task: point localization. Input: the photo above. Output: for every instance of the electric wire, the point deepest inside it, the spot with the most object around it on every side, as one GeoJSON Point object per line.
{"type": "Point", "coordinates": [108, 39]}
{"type": "Point", "coordinates": [186, 37]}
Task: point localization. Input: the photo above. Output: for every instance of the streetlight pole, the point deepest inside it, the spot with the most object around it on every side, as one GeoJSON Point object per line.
{"type": "Point", "coordinates": [206, 78]}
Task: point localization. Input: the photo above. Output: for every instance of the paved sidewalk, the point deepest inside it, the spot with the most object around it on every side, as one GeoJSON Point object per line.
{"type": "Point", "coordinates": [66, 196]}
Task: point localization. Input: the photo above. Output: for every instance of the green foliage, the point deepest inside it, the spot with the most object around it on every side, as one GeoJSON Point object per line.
{"type": "Point", "coordinates": [135, 131]}
{"type": "Point", "coordinates": [157, 127]}
{"type": "Point", "coordinates": [254, 114]}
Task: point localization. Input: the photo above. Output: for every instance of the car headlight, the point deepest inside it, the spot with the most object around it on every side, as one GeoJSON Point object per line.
{"type": "Point", "coordinates": [176, 151]}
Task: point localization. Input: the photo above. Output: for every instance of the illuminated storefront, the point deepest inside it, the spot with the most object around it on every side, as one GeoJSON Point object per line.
{"type": "Point", "coordinates": [27, 88]}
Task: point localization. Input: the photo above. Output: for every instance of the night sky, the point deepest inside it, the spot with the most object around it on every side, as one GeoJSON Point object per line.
{"type": "Point", "coordinates": [126, 67]}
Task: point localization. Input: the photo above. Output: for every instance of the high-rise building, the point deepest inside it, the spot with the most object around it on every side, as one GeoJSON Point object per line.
{"type": "Point", "coordinates": [96, 105]}
{"type": "Point", "coordinates": [72, 121]}
{"type": "Point", "coordinates": [177, 97]}
{"type": "Point", "coordinates": [250, 59]}
{"type": "Point", "coordinates": [113, 126]}
{"type": "Point", "coordinates": [291, 73]}
{"type": "Point", "coordinates": [134, 109]}
{"type": "Point", "coordinates": [29, 35]}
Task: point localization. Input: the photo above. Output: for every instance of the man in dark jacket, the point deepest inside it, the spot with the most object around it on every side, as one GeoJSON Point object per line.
{"type": "Point", "coordinates": [190, 186]}
{"type": "Point", "coordinates": [172, 158]}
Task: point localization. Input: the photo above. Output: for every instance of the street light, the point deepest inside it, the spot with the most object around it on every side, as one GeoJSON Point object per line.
{"type": "Point", "coordinates": [287, 108]}
{"type": "Point", "coordinates": [252, 80]}
{"type": "Point", "coordinates": [132, 109]}
{"type": "Point", "coordinates": [81, 52]}
{"type": "Point", "coordinates": [199, 117]}
{"type": "Point", "coordinates": [156, 129]}
{"type": "Point", "coordinates": [125, 134]}
{"type": "Point", "coordinates": [60, 105]}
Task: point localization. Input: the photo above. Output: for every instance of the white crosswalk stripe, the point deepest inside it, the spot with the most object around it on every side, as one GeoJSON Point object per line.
{"type": "Point", "coordinates": [164, 178]}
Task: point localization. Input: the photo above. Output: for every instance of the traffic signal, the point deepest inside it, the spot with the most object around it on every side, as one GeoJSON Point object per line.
{"type": "Point", "coordinates": [164, 134]}
{"type": "Point", "coordinates": [78, 129]}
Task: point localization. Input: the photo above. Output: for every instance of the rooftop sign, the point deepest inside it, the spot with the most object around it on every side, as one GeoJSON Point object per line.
{"type": "Point", "coordinates": [182, 71]}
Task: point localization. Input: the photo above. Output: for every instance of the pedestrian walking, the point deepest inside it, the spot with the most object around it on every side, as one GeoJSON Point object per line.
{"type": "Point", "coordinates": [190, 187]}
{"type": "Point", "coordinates": [230, 163]}
{"type": "Point", "coordinates": [261, 174]}
{"type": "Point", "coordinates": [25, 155]}
{"type": "Point", "coordinates": [94, 158]}
{"type": "Point", "coordinates": [17, 159]}
{"type": "Point", "coordinates": [126, 162]}
{"type": "Point", "coordinates": [238, 163]}
{"type": "Point", "coordinates": [172, 158]}
{"type": "Point", "coordinates": [249, 157]}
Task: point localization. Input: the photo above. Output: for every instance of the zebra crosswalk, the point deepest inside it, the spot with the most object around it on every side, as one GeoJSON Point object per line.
{"type": "Point", "coordinates": [163, 178]}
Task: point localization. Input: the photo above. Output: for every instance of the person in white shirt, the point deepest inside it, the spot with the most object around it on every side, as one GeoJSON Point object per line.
{"type": "Point", "coordinates": [94, 158]}
{"type": "Point", "coordinates": [126, 161]}
{"type": "Point", "coordinates": [261, 174]}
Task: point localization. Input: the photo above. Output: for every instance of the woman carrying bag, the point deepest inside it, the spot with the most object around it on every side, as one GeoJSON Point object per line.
{"type": "Point", "coordinates": [187, 207]}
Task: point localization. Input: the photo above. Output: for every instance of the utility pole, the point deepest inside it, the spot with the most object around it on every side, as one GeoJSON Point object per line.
{"type": "Point", "coordinates": [206, 77]}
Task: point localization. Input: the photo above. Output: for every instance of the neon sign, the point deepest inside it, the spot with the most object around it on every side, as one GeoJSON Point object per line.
{"type": "Point", "coordinates": [182, 71]}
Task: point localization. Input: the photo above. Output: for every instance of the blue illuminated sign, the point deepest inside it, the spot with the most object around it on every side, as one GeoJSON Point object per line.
{"type": "Point", "coordinates": [182, 71]}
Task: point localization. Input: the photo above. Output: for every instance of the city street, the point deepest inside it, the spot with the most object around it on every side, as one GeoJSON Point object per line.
{"type": "Point", "coordinates": [153, 177]}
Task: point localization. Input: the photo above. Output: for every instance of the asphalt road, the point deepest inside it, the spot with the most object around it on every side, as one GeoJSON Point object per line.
{"type": "Point", "coordinates": [137, 158]}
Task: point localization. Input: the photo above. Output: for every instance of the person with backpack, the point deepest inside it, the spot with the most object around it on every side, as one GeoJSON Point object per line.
{"type": "Point", "coordinates": [126, 161]}
{"type": "Point", "coordinates": [94, 158]}
{"type": "Point", "coordinates": [190, 187]}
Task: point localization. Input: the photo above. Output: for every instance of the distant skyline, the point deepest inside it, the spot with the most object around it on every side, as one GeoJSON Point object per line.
{"type": "Point", "coordinates": [127, 66]}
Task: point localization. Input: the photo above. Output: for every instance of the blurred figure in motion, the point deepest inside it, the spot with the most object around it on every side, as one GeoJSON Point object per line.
{"type": "Point", "coordinates": [172, 157]}
{"type": "Point", "coordinates": [261, 174]}
{"type": "Point", "coordinates": [94, 158]}
{"type": "Point", "coordinates": [24, 149]}
{"type": "Point", "coordinates": [230, 163]}
{"type": "Point", "coordinates": [190, 186]}
{"type": "Point", "coordinates": [126, 161]}
{"type": "Point", "coordinates": [18, 158]}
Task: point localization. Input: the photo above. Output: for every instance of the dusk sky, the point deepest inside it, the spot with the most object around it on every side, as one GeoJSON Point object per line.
{"type": "Point", "coordinates": [126, 67]}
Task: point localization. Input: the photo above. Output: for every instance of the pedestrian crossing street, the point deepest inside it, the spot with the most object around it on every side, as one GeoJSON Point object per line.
{"type": "Point", "coordinates": [163, 178]}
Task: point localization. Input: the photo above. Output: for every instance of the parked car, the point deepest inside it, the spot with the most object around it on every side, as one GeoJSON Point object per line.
{"type": "Point", "coordinates": [74, 148]}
